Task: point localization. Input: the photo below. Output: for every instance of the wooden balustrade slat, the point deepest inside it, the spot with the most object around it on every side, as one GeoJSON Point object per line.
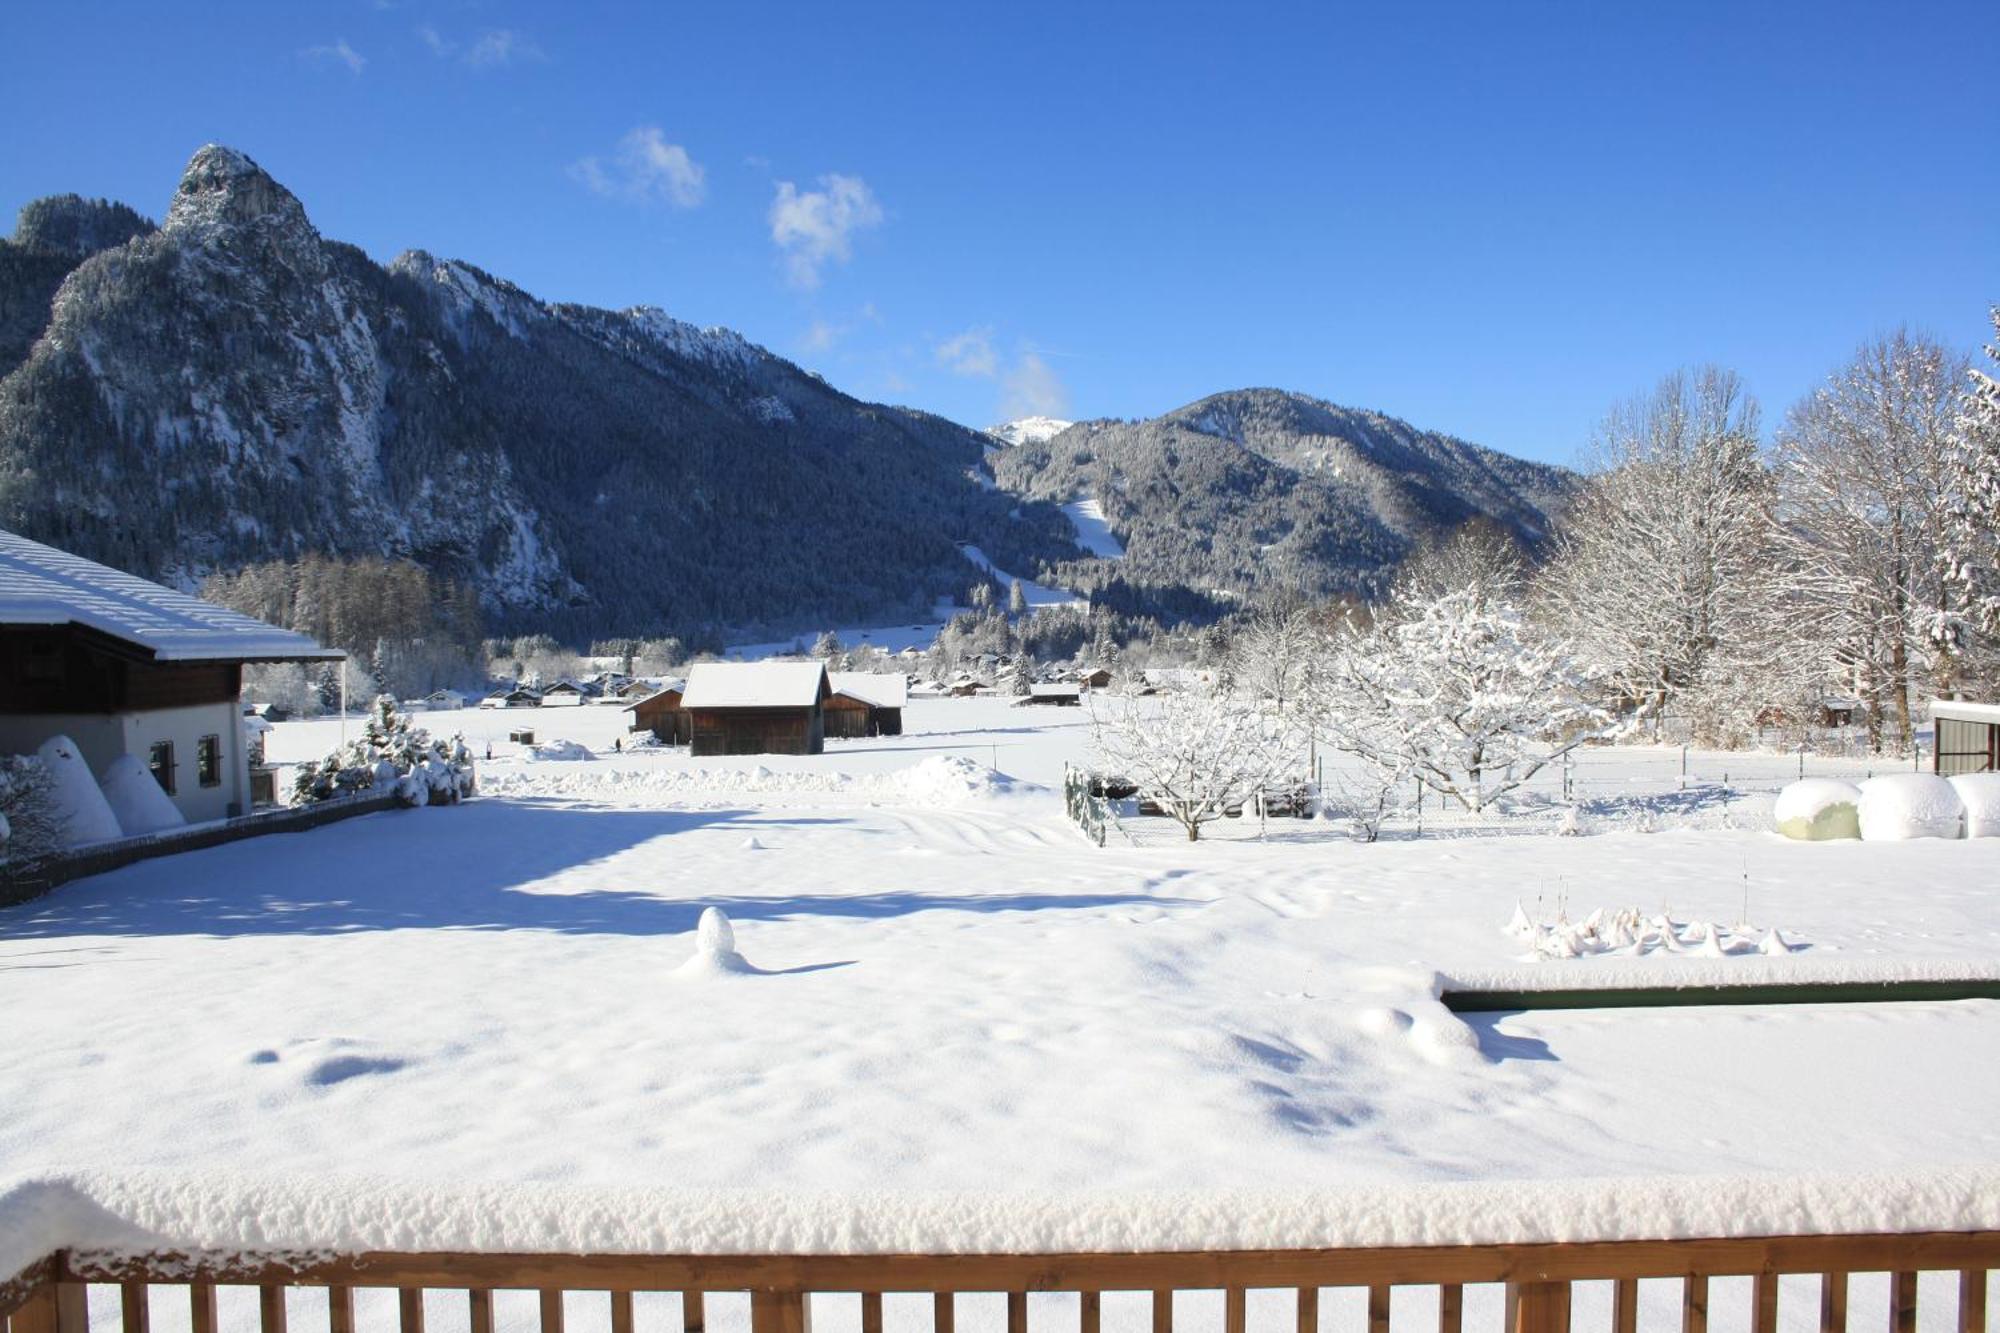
{"type": "Point", "coordinates": [1451, 1308]}
{"type": "Point", "coordinates": [871, 1312]}
{"type": "Point", "coordinates": [201, 1306]}
{"type": "Point", "coordinates": [552, 1310]}
{"type": "Point", "coordinates": [1539, 1307]}
{"type": "Point", "coordinates": [1972, 1301]}
{"type": "Point", "coordinates": [1625, 1306]}
{"type": "Point", "coordinates": [778, 1312]}
{"type": "Point", "coordinates": [135, 1307]}
{"type": "Point", "coordinates": [38, 1313]}
{"type": "Point", "coordinates": [1017, 1312]}
{"type": "Point", "coordinates": [1234, 1315]}
{"type": "Point", "coordinates": [694, 1312]}
{"type": "Point", "coordinates": [479, 1309]}
{"type": "Point", "coordinates": [944, 1312]}
{"type": "Point", "coordinates": [1833, 1303]}
{"type": "Point", "coordinates": [340, 1310]}
{"type": "Point", "coordinates": [1903, 1303]}
{"type": "Point", "coordinates": [271, 1308]}
{"type": "Point", "coordinates": [1090, 1314]}
{"type": "Point", "coordinates": [410, 1309]}
{"type": "Point", "coordinates": [1694, 1303]}
{"type": "Point", "coordinates": [1163, 1310]}
{"type": "Point", "coordinates": [1764, 1303]}
{"type": "Point", "coordinates": [621, 1312]}
{"type": "Point", "coordinates": [1378, 1310]}
{"type": "Point", "coordinates": [1308, 1310]}
{"type": "Point", "coordinates": [72, 1308]}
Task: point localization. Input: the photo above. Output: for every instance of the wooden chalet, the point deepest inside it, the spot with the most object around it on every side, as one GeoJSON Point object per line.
{"type": "Point", "coordinates": [123, 666]}
{"type": "Point", "coordinates": [1967, 738]}
{"type": "Point", "coordinates": [866, 703]}
{"type": "Point", "coordinates": [1056, 694]}
{"type": "Point", "coordinates": [1094, 678]}
{"type": "Point", "coordinates": [519, 696]}
{"type": "Point", "coordinates": [661, 713]}
{"type": "Point", "coordinates": [757, 708]}
{"type": "Point", "coordinates": [568, 693]}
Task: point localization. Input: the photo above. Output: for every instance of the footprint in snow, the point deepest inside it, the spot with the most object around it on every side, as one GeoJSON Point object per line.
{"type": "Point", "coordinates": [323, 1062]}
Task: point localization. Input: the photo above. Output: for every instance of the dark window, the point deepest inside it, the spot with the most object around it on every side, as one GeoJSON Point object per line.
{"type": "Point", "coordinates": [208, 761]}
{"type": "Point", "coordinates": [161, 762]}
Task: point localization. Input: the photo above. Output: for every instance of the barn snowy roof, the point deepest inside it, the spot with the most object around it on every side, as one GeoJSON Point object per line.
{"type": "Point", "coordinates": [754, 685]}
{"type": "Point", "coordinates": [880, 689]}
{"type": "Point", "coordinates": [1959, 710]}
{"type": "Point", "coordinates": [40, 585]}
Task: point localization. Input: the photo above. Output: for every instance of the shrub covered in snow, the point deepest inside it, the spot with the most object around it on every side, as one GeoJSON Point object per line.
{"type": "Point", "coordinates": [560, 750]}
{"type": "Point", "coordinates": [1980, 794]}
{"type": "Point", "coordinates": [81, 812]}
{"type": "Point", "coordinates": [391, 753]}
{"type": "Point", "coordinates": [1818, 810]}
{"type": "Point", "coordinates": [1910, 805]}
{"type": "Point", "coordinates": [29, 828]}
{"type": "Point", "coordinates": [137, 799]}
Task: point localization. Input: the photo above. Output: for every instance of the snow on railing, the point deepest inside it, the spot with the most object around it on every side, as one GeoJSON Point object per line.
{"type": "Point", "coordinates": [1512, 1288]}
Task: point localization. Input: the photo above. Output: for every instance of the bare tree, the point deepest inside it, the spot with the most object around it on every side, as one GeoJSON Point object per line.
{"type": "Point", "coordinates": [1864, 467]}
{"type": "Point", "coordinates": [1272, 657]}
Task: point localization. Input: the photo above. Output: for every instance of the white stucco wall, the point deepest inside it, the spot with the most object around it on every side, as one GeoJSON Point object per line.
{"type": "Point", "coordinates": [103, 737]}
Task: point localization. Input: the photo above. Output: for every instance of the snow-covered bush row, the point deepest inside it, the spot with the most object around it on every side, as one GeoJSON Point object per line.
{"type": "Point", "coordinates": [1892, 808]}
{"type": "Point", "coordinates": [1630, 933]}
{"type": "Point", "coordinates": [390, 753]}
{"type": "Point", "coordinates": [941, 780]}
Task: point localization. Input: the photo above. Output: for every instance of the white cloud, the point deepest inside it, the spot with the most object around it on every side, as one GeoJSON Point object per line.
{"type": "Point", "coordinates": [813, 227]}
{"type": "Point", "coordinates": [338, 52]}
{"type": "Point", "coordinates": [822, 336]}
{"type": "Point", "coordinates": [431, 37]}
{"type": "Point", "coordinates": [970, 353]}
{"type": "Point", "coordinates": [499, 47]}
{"type": "Point", "coordinates": [645, 168]}
{"type": "Point", "coordinates": [1032, 389]}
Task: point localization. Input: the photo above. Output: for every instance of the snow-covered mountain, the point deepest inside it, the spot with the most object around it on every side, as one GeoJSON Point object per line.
{"type": "Point", "coordinates": [1028, 430]}
{"type": "Point", "coordinates": [231, 387]}
{"type": "Point", "coordinates": [1258, 489]}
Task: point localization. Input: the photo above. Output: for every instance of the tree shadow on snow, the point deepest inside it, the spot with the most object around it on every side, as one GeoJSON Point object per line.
{"type": "Point", "coordinates": [485, 865]}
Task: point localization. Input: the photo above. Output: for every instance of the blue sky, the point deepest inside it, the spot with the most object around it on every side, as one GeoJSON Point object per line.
{"type": "Point", "coordinates": [1491, 219]}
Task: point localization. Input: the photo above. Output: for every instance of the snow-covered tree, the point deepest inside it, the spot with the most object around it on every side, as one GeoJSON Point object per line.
{"type": "Point", "coordinates": [1972, 526]}
{"type": "Point", "coordinates": [1273, 657]}
{"type": "Point", "coordinates": [390, 753]}
{"type": "Point", "coordinates": [1017, 599]}
{"type": "Point", "coordinates": [1664, 577]}
{"type": "Point", "coordinates": [1864, 475]}
{"type": "Point", "coordinates": [1196, 753]}
{"type": "Point", "coordinates": [1456, 690]}
{"type": "Point", "coordinates": [30, 828]}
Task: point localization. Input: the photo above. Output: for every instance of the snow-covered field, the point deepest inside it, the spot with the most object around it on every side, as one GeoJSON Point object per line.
{"type": "Point", "coordinates": [964, 1026]}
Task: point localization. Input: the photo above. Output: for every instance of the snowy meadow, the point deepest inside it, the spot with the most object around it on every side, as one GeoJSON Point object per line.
{"type": "Point", "coordinates": [946, 992]}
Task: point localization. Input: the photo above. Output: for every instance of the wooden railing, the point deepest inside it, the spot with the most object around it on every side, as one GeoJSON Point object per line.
{"type": "Point", "coordinates": [53, 1295]}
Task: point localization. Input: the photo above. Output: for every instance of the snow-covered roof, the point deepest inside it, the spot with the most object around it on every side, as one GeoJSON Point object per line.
{"type": "Point", "coordinates": [655, 691]}
{"type": "Point", "coordinates": [1054, 689]}
{"type": "Point", "coordinates": [754, 685]}
{"type": "Point", "coordinates": [40, 585]}
{"type": "Point", "coordinates": [1960, 710]}
{"type": "Point", "coordinates": [881, 689]}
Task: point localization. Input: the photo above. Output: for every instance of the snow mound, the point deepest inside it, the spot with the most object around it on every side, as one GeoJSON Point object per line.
{"type": "Point", "coordinates": [135, 798]}
{"type": "Point", "coordinates": [560, 751]}
{"type": "Point", "coordinates": [715, 949]}
{"type": "Point", "coordinates": [944, 780]}
{"type": "Point", "coordinates": [1901, 806]}
{"type": "Point", "coordinates": [1818, 810]}
{"type": "Point", "coordinates": [81, 813]}
{"type": "Point", "coordinates": [1980, 794]}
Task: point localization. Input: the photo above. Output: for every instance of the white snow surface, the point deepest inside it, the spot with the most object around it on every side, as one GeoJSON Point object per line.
{"type": "Point", "coordinates": [963, 1027]}
{"type": "Point", "coordinates": [135, 798]}
{"type": "Point", "coordinates": [1898, 806]}
{"type": "Point", "coordinates": [1805, 799]}
{"type": "Point", "coordinates": [1028, 430]}
{"type": "Point", "coordinates": [1093, 531]}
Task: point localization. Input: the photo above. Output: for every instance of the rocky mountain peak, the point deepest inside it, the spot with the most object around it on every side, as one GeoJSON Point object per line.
{"type": "Point", "coordinates": [222, 188]}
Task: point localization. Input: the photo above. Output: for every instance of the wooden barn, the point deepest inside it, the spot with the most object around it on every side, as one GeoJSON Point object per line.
{"type": "Point", "coordinates": [662, 714]}
{"type": "Point", "coordinates": [1055, 694]}
{"type": "Point", "coordinates": [1968, 738]}
{"type": "Point", "coordinates": [757, 708]}
{"type": "Point", "coordinates": [1094, 678]}
{"type": "Point", "coordinates": [866, 703]}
